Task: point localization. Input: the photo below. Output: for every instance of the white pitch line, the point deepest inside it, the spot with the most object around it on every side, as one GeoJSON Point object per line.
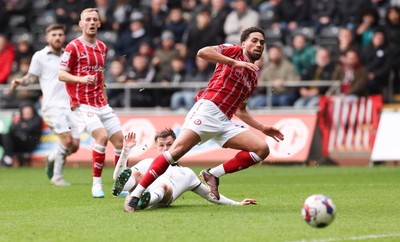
{"type": "Point", "coordinates": [363, 237]}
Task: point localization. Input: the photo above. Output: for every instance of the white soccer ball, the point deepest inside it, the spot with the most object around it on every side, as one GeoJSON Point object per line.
{"type": "Point", "coordinates": [318, 210]}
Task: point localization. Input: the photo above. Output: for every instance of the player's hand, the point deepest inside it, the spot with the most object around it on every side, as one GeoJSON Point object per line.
{"type": "Point", "coordinates": [247, 65]}
{"type": "Point", "coordinates": [274, 133]}
{"type": "Point", "coordinates": [15, 83]}
{"type": "Point", "coordinates": [88, 79]}
{"type": "Point", "coordinates": [248, 201]}
{"type": "Point", "coordinates": [130, 140]}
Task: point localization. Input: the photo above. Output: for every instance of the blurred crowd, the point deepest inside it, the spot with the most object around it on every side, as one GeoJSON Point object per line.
{"type": "Point", "coordinates": [155, 41]}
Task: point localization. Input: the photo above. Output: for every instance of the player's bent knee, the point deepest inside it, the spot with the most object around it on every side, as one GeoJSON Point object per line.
{"type": "Point", "coordinates": [263, 151]}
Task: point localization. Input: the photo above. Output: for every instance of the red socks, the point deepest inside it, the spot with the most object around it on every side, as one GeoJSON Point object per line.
{"type": "Point", "coordinates": [156, 169]}
{"type": "Point", "coordinates": [97, 163]}
{"type": "Point", "coordinates": [241, 161]}
{"type": "Point", "coordinates": [116, 158]}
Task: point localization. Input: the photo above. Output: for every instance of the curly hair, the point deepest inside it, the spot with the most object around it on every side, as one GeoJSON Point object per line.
{"type": "Point", "coordinates": [248, 31]}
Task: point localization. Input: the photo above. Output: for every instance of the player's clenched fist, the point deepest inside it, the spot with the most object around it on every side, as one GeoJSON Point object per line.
{"type": "Point", "coordinates": [88, 79]}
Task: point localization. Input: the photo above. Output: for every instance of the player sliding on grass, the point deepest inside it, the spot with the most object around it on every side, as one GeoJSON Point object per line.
{"type": "Point", "coordinates": [234, 80]}
{"type": "Point", "coordinates": [168, 187]}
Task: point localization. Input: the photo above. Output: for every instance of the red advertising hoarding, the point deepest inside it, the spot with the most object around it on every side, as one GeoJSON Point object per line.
{"type": "Point", "coordinates": [297, 128]}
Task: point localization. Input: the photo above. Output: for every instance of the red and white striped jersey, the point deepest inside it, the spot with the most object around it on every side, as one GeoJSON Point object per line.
{"type": "Point", "coordinates": [82, 58]}
{"type": "Point", "coordinates": [230, 86]}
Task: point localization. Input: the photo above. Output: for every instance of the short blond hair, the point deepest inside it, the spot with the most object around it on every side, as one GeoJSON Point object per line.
{"type": "Point", "coordinates": [86, 10]}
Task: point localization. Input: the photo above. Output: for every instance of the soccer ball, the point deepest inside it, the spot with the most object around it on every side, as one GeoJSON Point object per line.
{"type": "Point", "coordinates": [318, 210]}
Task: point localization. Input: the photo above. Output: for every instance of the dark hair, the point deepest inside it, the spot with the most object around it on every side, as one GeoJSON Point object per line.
{"type": "Point", "coordinates": [164, 134]}
{"type": "Point", "coordinates": [248, 31]}
{"type": "Point", "coordinates": [52, 27]}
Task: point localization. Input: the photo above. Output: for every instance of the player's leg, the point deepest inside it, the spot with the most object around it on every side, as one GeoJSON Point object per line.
{"type": "Point", "coordinates": [63, 124]}
{"type": "Point", "coordinates": [253, 150]}
{"type": "Point", "coordinates": [117, 141]}
{"type": "Point", "coordinates": [113, 126]}
{"type": "Point", "coordinates": [184, 142]}
{"type": "Point", "coordinates": [159, 194]}
{"type": "Point", "coordinates": [59, 157]}
{"type": "Point", "coordinates": [98, 158]}
{"type": "Point", "coordinates": [88, 120]}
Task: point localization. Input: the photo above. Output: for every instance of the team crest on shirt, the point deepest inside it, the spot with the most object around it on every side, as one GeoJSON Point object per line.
{"type": "Point", "coordinates": [66, 56]}
{"type": "Point", "coordinates": [90, 114]}
{"type": "Point", "coordinates": [83, 55]}
{"type": "Point", "coordinates": [197, 121]}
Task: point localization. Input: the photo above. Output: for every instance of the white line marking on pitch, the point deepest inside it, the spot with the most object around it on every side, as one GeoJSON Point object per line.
{"type": "Point", "coordinates": [363, 237]}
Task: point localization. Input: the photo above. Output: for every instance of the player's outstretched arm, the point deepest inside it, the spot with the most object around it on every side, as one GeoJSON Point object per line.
{"type": "Point", "coordinates": [24, 81]}
{"type": "Point", "coordinates": [243, 114]}
{"type": "Point", "coordinates": [129, 143]}
{"type": "Point", "coordinates": [210, 53]}
{"type": "Point", "coordinates": [202, 190]}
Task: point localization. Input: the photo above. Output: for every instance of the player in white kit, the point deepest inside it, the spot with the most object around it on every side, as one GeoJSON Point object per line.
{"type": "Point", "coordinates": [56, 110]}
{"type": "Point", "coordinates": [169, 186]}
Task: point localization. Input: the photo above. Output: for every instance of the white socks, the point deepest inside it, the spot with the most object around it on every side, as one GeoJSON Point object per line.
{"type": "Point", "coordinates": [218, 171]}
{"type": "Point", "coordinates": [96, 180]}
{"type": "Point", "coordinates": [59, 160]}
{"type": "Point", "coordinates": [130, 184]}
{"type": "Point", "coordinates": [156, 196]}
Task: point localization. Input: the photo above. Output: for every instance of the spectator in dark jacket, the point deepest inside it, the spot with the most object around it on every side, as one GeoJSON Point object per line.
{"type": "Point", "coordinates": [129, 42]}
{"type": "Point", "coordinates": [23, 136]}
{"type": "Point", "coordinates": [176, 24]}
{"type": "Point", "coordinates": [201, 33]}
{"type": "Point", "coordinates": [392, 30]}
{"type": "Point", "coordinates": [376, 58]}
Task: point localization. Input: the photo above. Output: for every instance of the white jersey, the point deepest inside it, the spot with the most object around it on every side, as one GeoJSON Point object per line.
{"type": "Point", "coordinates": [45, 65]}
{"type": "Point", "coordinates": [180, 179]}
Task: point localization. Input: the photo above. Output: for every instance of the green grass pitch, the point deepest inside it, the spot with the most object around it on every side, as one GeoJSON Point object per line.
{"type": "Point", "coordinates": [367, 201]}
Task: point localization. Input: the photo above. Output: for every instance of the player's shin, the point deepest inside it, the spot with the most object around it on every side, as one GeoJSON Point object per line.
{"type": "Point", "coordinates": [98, 158]}
{"type": "Point", "coordinates": [117, 153]}
{"type": "Point", "coordinates": [242, 160]}
{"type": "Point", "coordinates": [59, 158]}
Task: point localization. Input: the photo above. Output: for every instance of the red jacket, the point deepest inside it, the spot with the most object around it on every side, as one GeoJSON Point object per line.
{"type": "Point", "coordinates": [6, 62]}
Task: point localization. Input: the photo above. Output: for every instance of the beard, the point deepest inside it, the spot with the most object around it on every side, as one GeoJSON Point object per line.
{"type": "Point", "coordinates": [254, 56]}
{"type": "Point", "coordinates": [56, 46]}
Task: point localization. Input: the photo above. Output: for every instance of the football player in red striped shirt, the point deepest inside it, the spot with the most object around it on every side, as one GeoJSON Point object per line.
{"type": "Point", "coordinates": [82, 68]}
{"type": "Point", "coordinates": [234, 79]}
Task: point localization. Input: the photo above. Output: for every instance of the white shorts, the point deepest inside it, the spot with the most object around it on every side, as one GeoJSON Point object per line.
{"type": "Point", "coordinates": [61, 120]}
{"type": "Point", "coordinates": [91, 118]}
{"type": "Point", "coordinates": [209, 122]}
